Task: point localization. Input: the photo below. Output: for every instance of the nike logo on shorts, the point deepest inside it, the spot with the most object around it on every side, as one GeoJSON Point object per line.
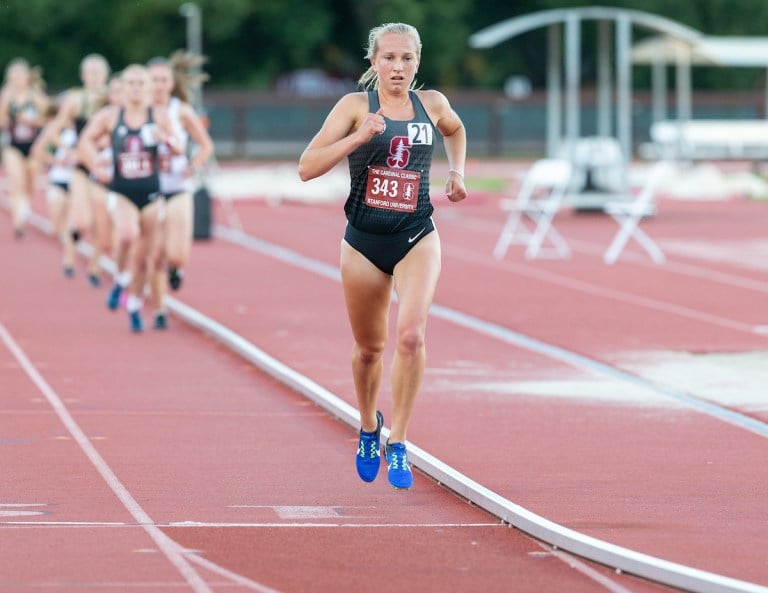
{"type": "Point", "coordinates": [417, 235]}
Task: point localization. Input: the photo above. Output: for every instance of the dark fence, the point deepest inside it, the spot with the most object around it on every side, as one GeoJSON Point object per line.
{"type": "Point", "coordinates": [271, 125]}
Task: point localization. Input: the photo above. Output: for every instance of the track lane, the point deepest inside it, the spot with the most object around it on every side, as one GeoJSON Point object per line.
{"type": "Point", "coordinates": [203, 438]}
{"type": "Point", "coordinates": [498, 414]}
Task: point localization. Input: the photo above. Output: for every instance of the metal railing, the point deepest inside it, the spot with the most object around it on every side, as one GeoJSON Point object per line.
{"type": "Point", "coordinates": [247, 124]}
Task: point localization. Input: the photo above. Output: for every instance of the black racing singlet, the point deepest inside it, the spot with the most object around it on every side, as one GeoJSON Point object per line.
{"type": "Point", "coordinates": [389, 176]}
{"type": "Point", "coordinates": [22, 134]}
{"type": "Point", "coordinates": [135, 162]}
{"type": "Point", "coordinates": [80, 122]}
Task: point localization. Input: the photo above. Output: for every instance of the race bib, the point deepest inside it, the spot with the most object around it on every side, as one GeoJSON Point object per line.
{"type": "Point", "coordinates": [392, 189]}
{"type": "Point", "coordinates": [24, 132]}
{"type": "Point", "coordinates": [135, 165]}
{"type": "Point", "coordinates": [419, 133]}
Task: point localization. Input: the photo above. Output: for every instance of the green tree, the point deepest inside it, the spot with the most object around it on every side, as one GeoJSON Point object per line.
{"type": "Point", "coordinates": [252, 42]}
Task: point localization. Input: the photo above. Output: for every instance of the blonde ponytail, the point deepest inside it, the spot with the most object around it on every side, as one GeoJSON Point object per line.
{"type": "Point", "coordinates": [369, 80]}
{"type": "Point", "coordinates": [36, 80]}
{"type": "Point", "coordinates": [182, 63]}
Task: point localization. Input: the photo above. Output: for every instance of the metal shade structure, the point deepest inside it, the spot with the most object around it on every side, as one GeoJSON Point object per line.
{"type": "Point", "coordinates": [729, 51]}
{"type": "Point", "coordinates": [745, 52]}
{"type": "Point", "coordinates": [194, 16]}
{"type": "Point", "coordinates": [571, 19]}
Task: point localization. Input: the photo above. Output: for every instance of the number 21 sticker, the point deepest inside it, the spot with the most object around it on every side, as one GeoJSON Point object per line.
{"type": "Point", "coordinates": [420, 133]}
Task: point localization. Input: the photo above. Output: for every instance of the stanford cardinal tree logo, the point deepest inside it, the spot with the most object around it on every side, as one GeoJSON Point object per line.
{"type": "Point", "coordinates": [399, 153]}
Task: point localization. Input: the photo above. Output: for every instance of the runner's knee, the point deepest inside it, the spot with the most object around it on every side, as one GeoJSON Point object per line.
{"type": "Point", "coordinates": [370, 352]}
{"type": "Point", "coordinates": [410, 339]}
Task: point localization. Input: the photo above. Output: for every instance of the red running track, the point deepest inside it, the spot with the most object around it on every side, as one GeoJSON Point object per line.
{"type": "Point", "coordinates": [163, 461]}
{"type": "Point", "coordinates": [648, 473]}
{"type": "Point", "coordinates": [646, 476]}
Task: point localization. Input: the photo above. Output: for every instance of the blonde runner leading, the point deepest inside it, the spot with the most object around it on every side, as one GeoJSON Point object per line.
{"type": "Point", "coordinates": [388, 135]}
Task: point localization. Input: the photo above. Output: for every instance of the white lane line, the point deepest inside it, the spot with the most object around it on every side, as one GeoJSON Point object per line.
{"type": "Point", "coordinates": [492, 330]}
{"type": "Point", "coordinates": [586, 570]}
{"type": "Point", "coordinates": [265, 525]}
{"type": "Point", "coordinates": [503, 334]}
{"type": "Point", "coordinates": [305, 512]}
{"type": "Point", "coordinates": [236, 578]}
{"type": "Point", "coordinates": [99, 586]}
{"type": "Point", "coordinates": [602, 291]}
{"type": "Point", "coordinates": [674, 267]}
{"type": "Point", "coordinates": [170, 549]}
{"type": "Point", "coordinates": [178, 556]}
{"type": "Point", "coordinates": [602, 552]}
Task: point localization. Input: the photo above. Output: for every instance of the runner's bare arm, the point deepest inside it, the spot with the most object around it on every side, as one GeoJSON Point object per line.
{"type": "Point", "coordinates": [42, 102]}
{"type": "Point", "coordinates": [455, 139]}
{"type": "Point", "coordinates": [4, 99]}
{"type": "Point", "coordinates": [348, 126]}
{"type": "Point", "coordinates": [199, 134]}
{"type": "Point", "coordinates": [99, 126]}
{"type": "Point", "coordinates": [48, 137]}
{"type": "Point", "coordinates": [164, 133]}
{"type": "Point", "coordinates": [65, 116]}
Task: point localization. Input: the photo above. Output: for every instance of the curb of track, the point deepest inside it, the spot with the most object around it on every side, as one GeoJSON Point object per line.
{"type": "Point", "coordinates": [619, 558]}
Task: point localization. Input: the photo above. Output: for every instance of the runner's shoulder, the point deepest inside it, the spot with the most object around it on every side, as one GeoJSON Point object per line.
{"type": "Point", "coordinates": [432, 99]}
{"type": "Point", "coordinates": [356, 100]}
{"type": "Point", "coordinates": [351, 107]}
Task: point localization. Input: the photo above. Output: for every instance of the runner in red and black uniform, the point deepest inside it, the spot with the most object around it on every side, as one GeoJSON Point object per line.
{"type": "Point", "coordinates": [388, 136]}
{"type": "Point", "coordinates": [135, 129]}
{"type": "Point", "coordinates": [23, 105]}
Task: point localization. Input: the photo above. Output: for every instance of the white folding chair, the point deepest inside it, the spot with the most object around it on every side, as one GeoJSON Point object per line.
{"type": "Point", "coordinates": [628, 215]}
{"type": "Point", "coordinates": [531, 212]}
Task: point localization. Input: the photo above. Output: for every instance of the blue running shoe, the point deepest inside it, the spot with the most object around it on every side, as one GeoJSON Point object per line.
{"type": "Point", "coordinates": [399, 473]}
{"type": "Point", "coordinates": [113, 299]}
{"type": "Point", "coordinates": [368, 456]}
{"type": "Point", "coordinates": [137, 325]}
{"type": "Point", "coordinates": [94, 279]}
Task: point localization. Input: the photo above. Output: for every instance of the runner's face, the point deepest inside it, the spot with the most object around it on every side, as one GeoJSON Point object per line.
{"type": "Point", "coordinates": [136, 87]}
{"type": "Point", "coordinates": [18, 77]}
{"type": "Point", "coordinates": [162, 83]}
{"type": "Point", "coordinates": [94, 75]}
{"type": "Point", "coordinates": [396, 62]}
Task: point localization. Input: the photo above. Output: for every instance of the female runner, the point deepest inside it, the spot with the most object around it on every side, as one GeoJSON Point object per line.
{"type": "Point", "coordinates": [388, 135]}
{"type": "Point", "coordinates": [56, 149]}
{"type": "Point", "coordinates": [170, 90]}
{"type": "Point", "coordinates": [23, 105]}
{"type": "Point", "coordinates": [134, 131]}
{"type": "Point", "coordinates": [88, 212]}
